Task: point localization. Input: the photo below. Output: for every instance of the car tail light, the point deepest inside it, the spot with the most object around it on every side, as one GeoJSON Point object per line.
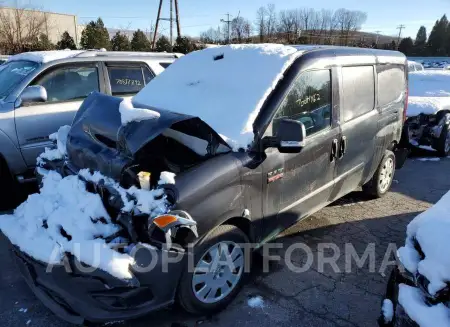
{"type": "Point", "coordinates": [406, 104]}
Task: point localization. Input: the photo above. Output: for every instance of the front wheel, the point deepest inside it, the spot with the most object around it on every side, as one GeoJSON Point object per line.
{"type": "Point", "coordinates": [442, 144]}
{"type": "Point", "coordinates": [220, 268]}
{"type": "Point", "coordinates": [381, 181]}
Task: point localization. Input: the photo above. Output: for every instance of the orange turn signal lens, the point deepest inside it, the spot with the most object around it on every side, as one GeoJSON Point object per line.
{"type": "Point", "coordinates": [163, 221]}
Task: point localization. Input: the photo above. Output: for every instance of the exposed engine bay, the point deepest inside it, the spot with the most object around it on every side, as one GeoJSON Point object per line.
{"type": "Point", "coordinates": [428, 130]}
{"type": "Point", "coordinates": [133, 165]}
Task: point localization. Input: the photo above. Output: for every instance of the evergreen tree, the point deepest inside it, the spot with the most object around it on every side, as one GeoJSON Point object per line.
{"type": "Point", "coordinates": [66, 42]}
{"type": "Point", "coordinates": [393, 45]}
{"type": "Point", "coordinates": [421, 38]}
{"type": "Point", "coordinates": [437, 42]}
{"type": "Point", "coordinates": [140, 42]}
{"type": "Point", "coordinates": [406, 46]}
{"type": "Point", "coordinates": [43, 43]}
{"type": "Point", "coordinates": [95, 36]}
{"type": "Point", "coordinates": [184, 45]}
{"type": "Point", "coordinates": [163, 45]}
{"type": "Point", "coordinates": [120, 42]}
{"type": "Point", "coordinates": [420, 44]}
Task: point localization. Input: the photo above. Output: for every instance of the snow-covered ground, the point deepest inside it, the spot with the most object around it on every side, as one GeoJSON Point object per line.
{"type": "Point", "coordinates": [431, 230]}
{"type": "Point", "coordinates": [429, 92]}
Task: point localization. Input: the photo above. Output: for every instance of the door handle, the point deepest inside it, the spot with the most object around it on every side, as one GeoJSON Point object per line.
{"type": "Point", "coordinates": [334, 150]}
{"type": "Point", "coordinates": [343, 147]}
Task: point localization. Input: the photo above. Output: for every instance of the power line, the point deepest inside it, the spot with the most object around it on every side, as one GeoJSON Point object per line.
{"type": "Point", "coordinates": [378, 36]}
{"type": "Point", "coordinates": [228, 22]}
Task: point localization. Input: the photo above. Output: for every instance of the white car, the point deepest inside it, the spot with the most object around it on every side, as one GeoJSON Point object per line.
{"type": "Point", "coordinates": [414, 66]}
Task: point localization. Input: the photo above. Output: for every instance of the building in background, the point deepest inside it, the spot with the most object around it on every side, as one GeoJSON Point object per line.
{"type": "Point", "coordinates": [20, 27]}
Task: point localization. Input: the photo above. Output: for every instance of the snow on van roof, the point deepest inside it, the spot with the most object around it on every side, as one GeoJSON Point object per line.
{"type": "Point", "coordinates": [224, 86]}
{"type": "Point", "coordinates": [45, 56]}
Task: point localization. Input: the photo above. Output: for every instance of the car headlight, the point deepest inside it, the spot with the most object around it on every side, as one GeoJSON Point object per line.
{"type": "Point", "coordinates": [174, 228]}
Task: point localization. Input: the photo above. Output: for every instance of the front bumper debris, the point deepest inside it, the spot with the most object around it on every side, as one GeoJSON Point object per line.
{"type": "Point", "coordinates": [98, 297]}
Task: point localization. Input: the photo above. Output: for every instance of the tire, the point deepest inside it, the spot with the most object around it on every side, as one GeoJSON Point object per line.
{"type": "Point", "coordinates": [382, 179]}
{"type": "Point", "coordinates": [442, 144]}
{"type": "Point", "coordinates": [225, 235]}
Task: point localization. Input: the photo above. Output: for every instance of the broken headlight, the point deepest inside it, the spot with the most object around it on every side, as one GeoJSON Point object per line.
{"type": "Point", "coordinates": [172, 230]}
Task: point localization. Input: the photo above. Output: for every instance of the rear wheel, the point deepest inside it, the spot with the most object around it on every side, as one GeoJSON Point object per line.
{"type": "Point", "coordinates": [442, 144]}
{"type": "Point", "coordinates": [382, 179]}
{"type": "Point", "coordinates": [219, 271]}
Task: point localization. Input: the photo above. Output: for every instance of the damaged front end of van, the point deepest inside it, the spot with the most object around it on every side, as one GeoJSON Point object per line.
{"type": "Point", "coordinates": [121, 182]}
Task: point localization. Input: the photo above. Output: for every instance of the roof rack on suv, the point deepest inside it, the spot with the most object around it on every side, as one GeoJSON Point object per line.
{"type": "Point", "coordinates": [101, 53]}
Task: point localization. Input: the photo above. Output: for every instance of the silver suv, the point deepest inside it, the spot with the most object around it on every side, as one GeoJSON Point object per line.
{"type": "Point", "coordinates": [41, 91]}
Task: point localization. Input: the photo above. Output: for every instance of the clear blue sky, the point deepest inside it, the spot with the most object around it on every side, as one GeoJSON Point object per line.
{"type": "Point", "coordinates": [199, 15]}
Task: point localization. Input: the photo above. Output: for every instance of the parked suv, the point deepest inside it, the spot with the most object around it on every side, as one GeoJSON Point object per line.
{"type": "Point", "coordinates": [256, 138]}
{"type": "Point", "coordinates": [41, 91]}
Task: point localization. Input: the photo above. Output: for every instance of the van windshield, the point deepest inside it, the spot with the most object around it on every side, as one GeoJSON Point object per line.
{"type": "Point", "coordinates": [12, 73]}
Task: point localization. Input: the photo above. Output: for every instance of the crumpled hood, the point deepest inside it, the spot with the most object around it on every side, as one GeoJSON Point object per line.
{"type": "Point", "coordinates": [97, 139]}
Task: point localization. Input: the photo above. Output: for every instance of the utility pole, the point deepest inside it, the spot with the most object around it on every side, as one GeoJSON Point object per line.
{"type": "Point", "coordinates": [171, 20]}
{"type": "Point", "coordinates": [400, 28]}
{"type": "Point", "coordinates": [378, 36]}
{"type": "Point", "coordinates": [177, 19]}
{"type": "Point", "coordinates": [228, 22]}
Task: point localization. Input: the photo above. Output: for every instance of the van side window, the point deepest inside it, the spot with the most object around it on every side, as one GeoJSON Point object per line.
{"type": "Point", "coordinates": [309, 101]}
{"type": "Point", "coordinates": [69, 83]}
{"type": "Point", "coordinates": [358, 84]}
{"type": "Point", "coordinates": [391, 84]}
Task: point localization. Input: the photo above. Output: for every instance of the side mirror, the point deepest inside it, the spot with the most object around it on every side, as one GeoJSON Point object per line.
{"type": "Point", "coordinates": [290, 136]}
{"type": "Point", "coordinates": [34, 93]}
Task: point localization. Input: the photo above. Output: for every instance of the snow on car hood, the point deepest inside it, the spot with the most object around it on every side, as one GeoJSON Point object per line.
{"type": "Point", "coordinates": [224, 86]}
{"type": "Point", "coordinates": [429, 233]}
{"type": "Point", "coordinates": [431, 229]}
{"type": "Point", "coordinates": [429, 92]}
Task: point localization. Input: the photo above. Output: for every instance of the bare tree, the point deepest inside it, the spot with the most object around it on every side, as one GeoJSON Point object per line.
{"type": "Point", "coordinates": [238, 28]}
{"type": "Point", "coordinates": [349, 21]}
{"type": "Point", "coordinates": [212, 35]}
{"type": "Point", "coordinates": [271, 21]}
{"type": "Point", "coordinates": [288, 24]}
{"type": "Point", "coordinates": [261, 23]}
{"type": "Point", "coordinates": [20, 28]}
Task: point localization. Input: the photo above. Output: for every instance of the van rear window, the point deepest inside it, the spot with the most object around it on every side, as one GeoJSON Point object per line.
{"type": "Point", "coordinates": [359, 91]}
{"type": "Point", "coordinates": [391, 84]}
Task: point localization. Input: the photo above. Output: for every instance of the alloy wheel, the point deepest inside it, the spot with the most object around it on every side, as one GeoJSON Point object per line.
{"type": "Point", "coordinates": [386, 175]}
{"type": "Point", "coordinates": [218, 272]}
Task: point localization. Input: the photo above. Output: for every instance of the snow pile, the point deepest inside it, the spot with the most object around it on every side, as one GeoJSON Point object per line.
{"type": "Point", "coordinates": [256, 302]}
{"type": "Point", "coordinates": [431, 229]}
{"type": "Point", "coordinates": [60, 151]}
{"type": "Point", "coordinates": [65, 217]}
{"type": "Point", "coordinates": [413, 302]}
{"type": "Point", "coordinates": [387, 310]}
{"type": "Point", "coordinates": [225, 86]}
{"type": "Point", "coordinates": [64, 207]}
{"type": "Point", "coordinates": [429, 83]}
{"type": "Point", "coordinates": [166, 178]}
{"type": "Point", "coordinates": [426, 105]}
{"type": "Point", "coordinates": [429, 92]}
{"type": "Point", "coordinates": [129, 113]}
{"type": "Point", "coordinates": [45, 56]}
